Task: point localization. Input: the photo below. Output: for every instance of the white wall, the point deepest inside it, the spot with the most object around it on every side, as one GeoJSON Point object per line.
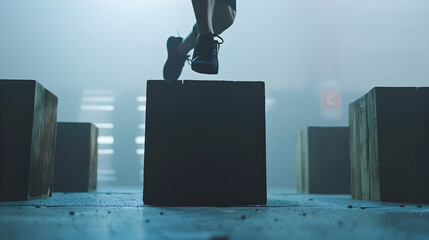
{"type": "Point", "coordinates": [85, 43]}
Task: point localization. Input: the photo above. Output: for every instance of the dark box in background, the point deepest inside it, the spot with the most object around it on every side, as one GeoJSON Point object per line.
{"type": "Point", "coordinates": [389, 145]}
{"type": "Point", "coordinates": [323, 160]}
{"type": "Point", "coordinates": [76, 157]}
{"type": "Point", "coordinates": [28, 124]}
{"type": "Point", "coordinates": [205, 143]}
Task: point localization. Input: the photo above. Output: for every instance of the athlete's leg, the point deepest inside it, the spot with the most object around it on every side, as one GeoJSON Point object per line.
{"type": "Point", "coordinates": [223, 17]}
{"type": "Point", "coordinates": [189, 42]}
{"type": "Point", "coordinates": [203, 10]}
{"type": "Point", "coordinates": [205, 56]}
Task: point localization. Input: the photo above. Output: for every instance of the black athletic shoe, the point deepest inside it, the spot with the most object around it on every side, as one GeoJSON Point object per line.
{"type": "Point", "coordinates": [175, 61]}
{"type": "Point", "coordinates": [204, 59]}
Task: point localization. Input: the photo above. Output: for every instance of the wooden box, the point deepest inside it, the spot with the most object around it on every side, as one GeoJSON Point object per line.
{"type": "Point", "coordinates": [76, 157]}
{"type": "Point", "coordinates": [28, 124]}
{"type": "Point", "coordinates": [323, 160]}
{"type": "Point", "coordinates": [205, 143]}
{"type": "Point", "coordinates": [389, 145]}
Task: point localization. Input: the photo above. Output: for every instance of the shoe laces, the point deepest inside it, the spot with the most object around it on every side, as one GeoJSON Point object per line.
{"type": "Point", "coordinates": [217, 42]}
{"type": "Point", "coordinates": [219, 37]}
{"type": "Point", "coordinates": [215, 38]}
{"type": "Point", "coordinates": [189, 60]}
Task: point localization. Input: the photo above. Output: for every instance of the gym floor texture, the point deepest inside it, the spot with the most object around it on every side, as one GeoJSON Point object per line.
{"type": "Point", "coordinates": [119, 213]}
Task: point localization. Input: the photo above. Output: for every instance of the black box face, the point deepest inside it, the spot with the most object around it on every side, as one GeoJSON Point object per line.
{"type": "Point", "coordinates": [403, 143]}
{"type": "Point", "coordinates": [205, 143]}
{"type": "Point", "coordinates": [329, 160]}
{"type": "Point", "coordinates": [28, 117]}
{"type": "Point", "coordinates": [389, 141]}
{"type": "Point", "coordinates": [76, 157]}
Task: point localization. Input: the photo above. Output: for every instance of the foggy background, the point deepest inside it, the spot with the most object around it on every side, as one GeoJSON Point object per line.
{"type": "Point", "coordinates": [315, 56]}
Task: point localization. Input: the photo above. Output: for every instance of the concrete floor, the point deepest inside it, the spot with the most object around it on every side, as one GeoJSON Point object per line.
{"type": "Point", "coordinates": [120, 214]}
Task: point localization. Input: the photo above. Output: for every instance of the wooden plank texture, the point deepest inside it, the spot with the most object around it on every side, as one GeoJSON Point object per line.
{"type": "Point", "coordinates": [298, 158]}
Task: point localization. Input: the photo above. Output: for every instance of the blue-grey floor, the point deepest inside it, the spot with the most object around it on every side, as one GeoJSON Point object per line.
{"type": "Point", "coordinates": [120, 214]}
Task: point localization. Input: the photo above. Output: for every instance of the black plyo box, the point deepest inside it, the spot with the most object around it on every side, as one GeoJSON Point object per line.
{"type": "Point", "coordinates": [28, 124]}
{"type": "Point", "coordinates": [323, 160]}
{"type": "Point", "coordinates": [389, 145]}
{"type": "Point", "coordinates": [76, 157]}
{"type": "Point", "coordinates": [205, 143]}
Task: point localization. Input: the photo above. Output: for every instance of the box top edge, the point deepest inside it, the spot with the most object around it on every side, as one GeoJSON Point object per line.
{"type": "Point", "coordinates": [82, 123]}
{"type": "Point", "coordinates": [325, 127]}
{"type": "Point", "coordinates": [207, 81]}
{"type": "Point", "coordinates": [22, 80]}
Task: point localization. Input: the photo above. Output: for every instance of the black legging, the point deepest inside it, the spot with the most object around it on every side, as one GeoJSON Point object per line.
{"type": "Point", "coordinates": [232, 3]}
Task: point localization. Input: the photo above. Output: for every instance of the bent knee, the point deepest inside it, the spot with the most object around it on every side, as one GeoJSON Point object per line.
{"type": "Point", "coordinates": [221, 25]}
{"type": "Point", "coordinates": [195, 31]}
{"type": "Point", "coordinates": [229, 20]}
{"type": "Point", "coordinates": [223, 22]}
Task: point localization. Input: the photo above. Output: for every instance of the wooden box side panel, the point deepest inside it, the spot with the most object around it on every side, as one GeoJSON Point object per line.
{"type": "Point", "coordinates": [43, 144]}
{"type": "Point", "coordinates": [364, 155]}
{"type": "Point", "coordinates": [92, 185]}
{"type": "Point", "coordinates": [364, 148]}
{"type": "Point", "coordinates": [298, 161]}
{"type": "Point", "coordinates": [355, 148]}
{"type": "Point", "coordinates": [373, 156]}
{"type": "Point", "coordinates": [305, 162]}
{"type": "Point", "coordinates": [301, 161]}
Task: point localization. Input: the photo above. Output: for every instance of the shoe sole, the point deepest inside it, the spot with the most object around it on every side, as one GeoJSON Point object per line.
{"type": "Point", "coordinates": [171, 42]}
{"type": "Point", "coordinates": [203, 68]}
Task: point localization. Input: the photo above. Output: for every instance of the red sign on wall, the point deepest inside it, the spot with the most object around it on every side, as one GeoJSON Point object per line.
{"type": "Point", "coordinates": [331, 100]}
